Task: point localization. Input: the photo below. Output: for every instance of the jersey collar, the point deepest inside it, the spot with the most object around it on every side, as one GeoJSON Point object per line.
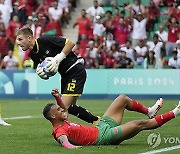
{"type": "Point", "coordinates": [37, 46]}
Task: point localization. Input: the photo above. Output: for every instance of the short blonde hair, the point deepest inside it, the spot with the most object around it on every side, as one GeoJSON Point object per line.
{"type": "Point", "coordinates": [24, 31]}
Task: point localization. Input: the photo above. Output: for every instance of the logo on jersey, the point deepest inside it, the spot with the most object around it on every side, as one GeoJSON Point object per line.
{"type": "Point", "coordinates": [47, 51]}
{"type": "Point", "coordinates": [73, 124]}
{"type": "Point", "coordinates": [115, 131]}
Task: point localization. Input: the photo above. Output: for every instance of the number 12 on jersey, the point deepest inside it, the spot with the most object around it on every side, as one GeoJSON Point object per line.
{"type": "Point", "coordinates": [71, 86]}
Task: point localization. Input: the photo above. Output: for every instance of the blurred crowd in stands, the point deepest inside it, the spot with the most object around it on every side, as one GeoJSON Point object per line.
{"type": "Point", "coordinates": [111, 33]}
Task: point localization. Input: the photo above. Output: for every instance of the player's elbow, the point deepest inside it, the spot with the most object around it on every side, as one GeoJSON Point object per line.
{"type": "Point", "coordinates": [71, 43]}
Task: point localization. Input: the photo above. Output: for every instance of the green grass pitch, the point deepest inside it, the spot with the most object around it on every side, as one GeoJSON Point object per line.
{"type": "Point", "coordinates": [33, 135]}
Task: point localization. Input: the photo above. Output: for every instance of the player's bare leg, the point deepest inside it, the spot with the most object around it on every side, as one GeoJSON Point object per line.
{"type": "Point", "coordinates": [116, 109]}
{"type": "Point", "coordinates": [69, 100]}
{"type": "Point", "coordinates": [78, 111]}
{"type": "Point", "coordinates": [122, 102]}
{"type": "Point", "coordinates": [132, 128]}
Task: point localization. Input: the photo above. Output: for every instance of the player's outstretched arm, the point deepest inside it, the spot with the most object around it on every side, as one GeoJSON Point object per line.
{"type": "Point", "coordinates": [57, 96]}
{"type": "Point", "coordinates": [65, 143]}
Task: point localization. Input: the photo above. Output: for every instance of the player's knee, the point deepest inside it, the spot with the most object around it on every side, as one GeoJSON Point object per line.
{"type": "Point", "coordinates": [123, 98]}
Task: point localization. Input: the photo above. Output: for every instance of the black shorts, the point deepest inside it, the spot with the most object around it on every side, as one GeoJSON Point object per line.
{"type": "Point", "coordinates": [72, 83]}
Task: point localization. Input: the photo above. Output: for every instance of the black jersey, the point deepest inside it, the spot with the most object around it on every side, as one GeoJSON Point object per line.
{"type": "Point", "coordinates": [50, 46]}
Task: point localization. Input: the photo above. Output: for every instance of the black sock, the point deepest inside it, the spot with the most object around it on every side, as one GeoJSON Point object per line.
{"type": "Point", "coordinates": [82, 113]}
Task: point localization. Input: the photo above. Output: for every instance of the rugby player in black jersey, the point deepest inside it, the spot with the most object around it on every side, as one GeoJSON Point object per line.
{"type": "Point", "coordinates": [71, 68]}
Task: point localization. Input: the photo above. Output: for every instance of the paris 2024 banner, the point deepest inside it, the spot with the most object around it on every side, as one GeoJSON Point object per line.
{"type": "Point", "coordinates": [100, 82]}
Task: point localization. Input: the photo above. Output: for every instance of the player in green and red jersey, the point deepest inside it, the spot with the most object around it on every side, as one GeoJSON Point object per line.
{"type": "Point", "coordinates": [109, 130]}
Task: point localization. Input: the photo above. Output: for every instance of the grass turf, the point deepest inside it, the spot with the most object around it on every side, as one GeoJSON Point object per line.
{"type": "Point", "coordinates": [33, 135]}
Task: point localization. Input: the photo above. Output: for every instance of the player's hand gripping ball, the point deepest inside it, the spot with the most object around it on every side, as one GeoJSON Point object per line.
{"type": "Point", "coordinates": [45, 70]}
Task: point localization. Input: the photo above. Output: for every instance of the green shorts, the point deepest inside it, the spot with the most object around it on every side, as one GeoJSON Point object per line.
{"type": "Point", "coordinates": [109, 131]}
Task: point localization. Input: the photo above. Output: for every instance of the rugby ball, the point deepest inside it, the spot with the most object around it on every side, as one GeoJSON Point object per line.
{"type": "Point", "coordinates": [43, 65]}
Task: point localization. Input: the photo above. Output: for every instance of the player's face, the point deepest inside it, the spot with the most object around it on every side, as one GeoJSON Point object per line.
{"type": "Point", "coordinates": [23, 41]}
{"type": "Point", "coordinates": [83, 13]}
{"type": "Point", "coordinates": [59, 113]}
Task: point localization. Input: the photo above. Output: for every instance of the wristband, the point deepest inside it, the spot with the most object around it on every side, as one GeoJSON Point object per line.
{"type": "Point", "coordinates": [58, 99]}
{"type": "Point", "coordinates": [68, 145]}
{"type": "Point", "coordinates": [59, 57]}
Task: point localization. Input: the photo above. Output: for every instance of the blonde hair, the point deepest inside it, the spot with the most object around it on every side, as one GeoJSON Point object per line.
{"type": "Point", "coordinates": [24, 31]}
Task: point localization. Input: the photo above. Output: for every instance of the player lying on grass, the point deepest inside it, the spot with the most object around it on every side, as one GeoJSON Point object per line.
{"type": "Point", "coordinates": [109, 129]}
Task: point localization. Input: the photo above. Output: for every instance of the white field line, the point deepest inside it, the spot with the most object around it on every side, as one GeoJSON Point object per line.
{"type": "Point", "coordinates": [149, 152]}
{"type": "Point", "coordinates": [14, 118]}
{"type": "Point", "coordinates": [162, 150]}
